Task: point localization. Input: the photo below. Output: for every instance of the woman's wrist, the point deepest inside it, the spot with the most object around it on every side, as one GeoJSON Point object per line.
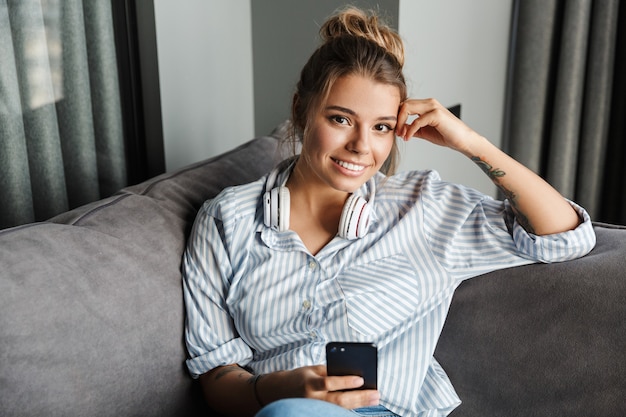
{"type": "Point", "coordinates": [476, 145]}
{"type": "Point", "coordinates": [255, 388]}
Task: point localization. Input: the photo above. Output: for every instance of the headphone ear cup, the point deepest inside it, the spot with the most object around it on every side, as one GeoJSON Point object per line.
{"type": "Point", "coordinates": [267, 208]}
{"type": "Point", "coordinates": [355, 218]}
{"type": "Point", "coordinates": [284, 203]}
{"type": "Point", "coordinates": [276, 209]}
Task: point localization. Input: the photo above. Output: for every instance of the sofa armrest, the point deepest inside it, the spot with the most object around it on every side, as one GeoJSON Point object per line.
{"type": "Point", "coordinates": [542, 339]}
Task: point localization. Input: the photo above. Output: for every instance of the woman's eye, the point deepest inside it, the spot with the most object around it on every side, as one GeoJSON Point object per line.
{"type": "Point", "coordinates": [339, 119]}
{"type": "Point", "coordinates": [384, 128]}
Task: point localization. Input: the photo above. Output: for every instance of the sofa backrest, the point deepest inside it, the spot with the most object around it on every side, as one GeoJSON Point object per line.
{"type": "Point", "coordinates": [91, 309]}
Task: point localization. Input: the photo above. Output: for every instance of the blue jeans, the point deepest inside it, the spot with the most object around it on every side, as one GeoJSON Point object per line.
{"type": "Point", "coordinates": [304, 407]}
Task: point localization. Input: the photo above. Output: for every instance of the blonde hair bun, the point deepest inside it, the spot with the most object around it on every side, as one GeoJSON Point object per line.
{"type": "Point", "coordinates": [356, 22]}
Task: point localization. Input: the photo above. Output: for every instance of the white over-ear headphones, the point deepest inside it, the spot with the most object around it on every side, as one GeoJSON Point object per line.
{"type": "Point", "coordinates": [355, 216]}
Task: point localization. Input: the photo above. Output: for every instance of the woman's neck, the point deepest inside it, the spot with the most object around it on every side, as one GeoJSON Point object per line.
{"type": "Point", "coordinates": [315, 209]}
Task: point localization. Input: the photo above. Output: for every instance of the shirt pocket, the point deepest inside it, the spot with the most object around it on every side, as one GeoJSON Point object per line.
{"type": "Point", "coordinates": [379, 295]}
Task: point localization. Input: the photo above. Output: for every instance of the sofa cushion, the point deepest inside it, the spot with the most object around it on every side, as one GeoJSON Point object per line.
{"type": "Point", "coordinates": [542, 340]}
{"type": "Point", "coordinates": [91, 309]}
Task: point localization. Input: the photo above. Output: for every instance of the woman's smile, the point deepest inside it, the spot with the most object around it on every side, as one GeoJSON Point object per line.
{"type": "Point", "coordinates": [349, 165]}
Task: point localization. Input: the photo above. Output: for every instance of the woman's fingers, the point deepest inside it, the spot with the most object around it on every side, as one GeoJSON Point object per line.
{"type": "Point", "coordinates": [342, 391]}
{"type": "Point", "coordinates": [414, 109]}
{"type": "Point", "coordinates": [354, 399]}
{"type": "Point", "coordinates": [341, 383]}
{"type": "Point", "coordinates": [433, 122]}
{"type": "Point", "coordinates": [425, 126]}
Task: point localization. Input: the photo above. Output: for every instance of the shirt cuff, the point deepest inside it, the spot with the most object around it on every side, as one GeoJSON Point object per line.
{"type": "Point", "coordinates": [234, 351]}
{"type": "Point", "coordinates": [557, 247]}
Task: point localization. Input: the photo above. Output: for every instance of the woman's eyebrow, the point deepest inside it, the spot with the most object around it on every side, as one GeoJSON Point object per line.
{"type": "Point", "coordinates": [353, 113]}
{"type": "Point", "coordinates": [341, 109]}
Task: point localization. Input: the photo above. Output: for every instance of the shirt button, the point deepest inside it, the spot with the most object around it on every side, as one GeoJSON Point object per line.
{"type": "Point", "coordinates": [306, 304]}
{"type": "Point", "coordinates": [313, 335]}
{"type": "Point", "coordinates": [312, 265]}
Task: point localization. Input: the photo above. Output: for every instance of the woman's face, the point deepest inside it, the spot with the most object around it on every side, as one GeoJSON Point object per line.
{"type": "Point", "coordinates": [353, 133]}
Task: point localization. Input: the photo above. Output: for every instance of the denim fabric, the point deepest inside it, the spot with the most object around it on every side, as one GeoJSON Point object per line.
{"type": "Point", "coordinates": [377, 411]}
{"type": "Point", "coordinates": [304, 407]}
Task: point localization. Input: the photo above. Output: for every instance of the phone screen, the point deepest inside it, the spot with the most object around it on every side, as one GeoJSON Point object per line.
{"type": "Point", "coordinates": [352, 358]}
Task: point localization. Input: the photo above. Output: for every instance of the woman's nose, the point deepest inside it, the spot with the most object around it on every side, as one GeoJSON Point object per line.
{"type": "Point", "coordinates": [359, 142]}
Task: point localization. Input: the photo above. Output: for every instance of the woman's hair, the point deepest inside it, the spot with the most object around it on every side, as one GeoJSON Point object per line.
{"type": "Point", "coordinates": [354, 43]}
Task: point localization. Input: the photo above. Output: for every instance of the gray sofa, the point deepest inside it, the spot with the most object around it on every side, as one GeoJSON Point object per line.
{"type": "Point", "coordinates": [91, 313]}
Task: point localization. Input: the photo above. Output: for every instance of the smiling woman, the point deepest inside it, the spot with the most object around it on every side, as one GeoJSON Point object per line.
{"type": "Point", "coordinates": [263, 301]}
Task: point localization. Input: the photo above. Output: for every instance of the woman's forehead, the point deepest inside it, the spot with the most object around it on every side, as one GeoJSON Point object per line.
{"type": "Point", "coordinates": [364, 96]}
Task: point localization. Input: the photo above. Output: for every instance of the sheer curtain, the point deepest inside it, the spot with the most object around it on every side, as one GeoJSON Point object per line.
{"type": "Point", "coordinates": [565, 99]}
{"type": "Point", "coordinates": [61, 134]}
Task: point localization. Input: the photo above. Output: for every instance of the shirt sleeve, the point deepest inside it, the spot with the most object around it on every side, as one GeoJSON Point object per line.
{"type": "Point", "coordinates": [210, 334]}
{"type": "Point", "coordinates": [471, 233]}
{"type": "Point", "coordinates": [556, 247]}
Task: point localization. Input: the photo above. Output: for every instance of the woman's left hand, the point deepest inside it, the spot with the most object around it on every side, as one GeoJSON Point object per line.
{"type": "Point", "coordinates": [434, 123]}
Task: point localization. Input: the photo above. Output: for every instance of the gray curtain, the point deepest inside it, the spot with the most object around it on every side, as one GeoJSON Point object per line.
{"type": "Point", "coordinates": [61, 136]}
{"type": "Point", "coordinates": [564, 101]}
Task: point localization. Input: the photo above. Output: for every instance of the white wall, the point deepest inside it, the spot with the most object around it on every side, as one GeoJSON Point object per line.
{"type": "Point", "coordinates": [456, 52]}
{"type": "Point", "coordinates": [205, 70]}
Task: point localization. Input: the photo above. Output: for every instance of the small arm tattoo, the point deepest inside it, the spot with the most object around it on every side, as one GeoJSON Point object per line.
{"type": "Point", "coordinates": [495, 174]}
{"type": "Point", "coordinates": [227, 370]}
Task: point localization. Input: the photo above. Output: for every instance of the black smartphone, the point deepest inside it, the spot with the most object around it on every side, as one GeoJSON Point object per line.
{"type": "Point", "coordinates": [352, 358]}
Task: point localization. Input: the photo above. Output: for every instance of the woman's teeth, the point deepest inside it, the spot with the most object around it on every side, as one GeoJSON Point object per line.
{"type": "Point", "coordinates": [351, 167]}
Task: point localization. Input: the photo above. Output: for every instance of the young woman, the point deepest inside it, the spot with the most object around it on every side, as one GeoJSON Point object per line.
{"type": "Point", "coordinates": [333, 246]}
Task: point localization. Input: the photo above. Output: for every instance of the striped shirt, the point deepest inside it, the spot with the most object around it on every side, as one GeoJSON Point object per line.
{"type": "Point", "coordinates": [258, 298]}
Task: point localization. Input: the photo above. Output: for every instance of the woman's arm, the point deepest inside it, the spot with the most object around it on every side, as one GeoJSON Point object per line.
{"type": "Point", "coordinates": [538, 207]}
{"type": "Point", "coordinates": [229, 390]}
{"type": "Point", "coordinates": [233, 391]}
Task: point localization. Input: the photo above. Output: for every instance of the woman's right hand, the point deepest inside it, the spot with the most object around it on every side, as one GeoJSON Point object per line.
{"type": "Point", "coordinates": [314, 382]}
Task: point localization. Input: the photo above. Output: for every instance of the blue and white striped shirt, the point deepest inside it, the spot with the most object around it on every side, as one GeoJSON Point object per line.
{"type": "Point", "coordinates": [258, 298]}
